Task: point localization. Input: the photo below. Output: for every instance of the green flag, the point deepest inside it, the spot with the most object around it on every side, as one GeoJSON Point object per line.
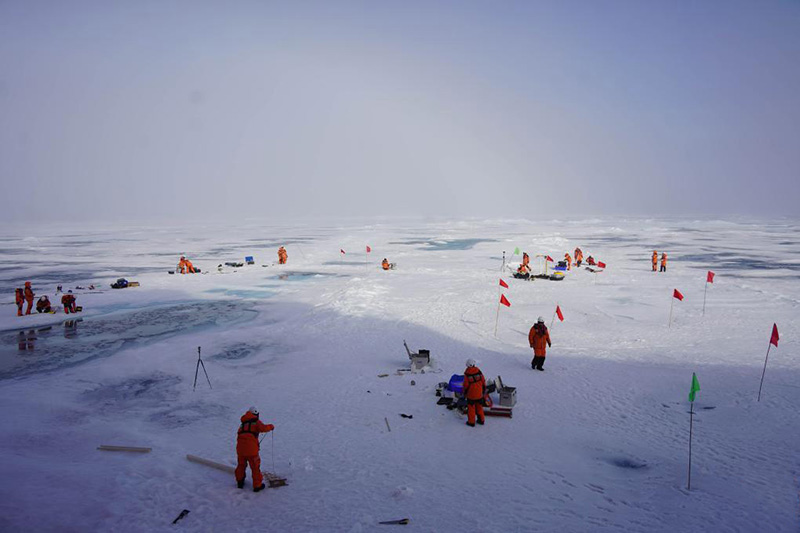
{"type": "Point", "coordinates": [516, 251]}
{"type": "Point", "coordinates": [695, 387]}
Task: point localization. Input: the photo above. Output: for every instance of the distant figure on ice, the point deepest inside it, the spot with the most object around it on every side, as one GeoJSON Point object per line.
{"type": "Point", "coordinates": [68, 301]}
{"type": "Point", "coordinates": [655, 260]}
{"type": "Point", "coordinates": [590, 261]}
{"type": "Point", "coordinates": [578, 257]}
{"type": "Point", "coordinates": [282, 255]}
{"type": "Point", "coordinates": [29, 297]}
{"type": "Point", "coordinates": [185, 266]}
{"type": "Point", "coordinates": [523, 272]}
{"type": "Point", "coordinates": [663, 261]}
{"type": "Point", "coordinates": [43, 305]}
{"type": "Point", "coordinates": [385, 264]}
{"type": "Point", "coordinates": [247, 448]}
{"type": "Point", "coordinates": [19, 294]}
{"type": "Point", "coordinates": [568, 260]}
{"type": "Point", "coordinates": [539, 339]}
{"type": "Point", "coordinates": [474, 391]}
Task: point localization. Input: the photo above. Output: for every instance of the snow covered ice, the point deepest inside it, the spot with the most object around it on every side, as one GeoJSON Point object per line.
{"type": "Point", "coordinates": [597, 442]}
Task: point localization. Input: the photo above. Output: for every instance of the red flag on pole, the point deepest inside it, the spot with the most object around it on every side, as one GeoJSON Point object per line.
{"type": "Point", "coordinates": [601, 264]}
{"type": "Point", "coordinates": [775, 337]}
{"type": "Point", "coordinates": [368, 249]}
{"type": "Point", "coordinates": [548, 258]}
{"type": "Point", "coordinates": [559, 314]}
{"type": "Point", "coordinates": [677, 294]}
{"type": "Point", "coordinates": [341, 251]}
{"type": "Point", "coordinates": [503, 283]}
{"type": "Point", "coordinates": [504, 300]}
{"type": "Point", "coordinates": [710, 277]}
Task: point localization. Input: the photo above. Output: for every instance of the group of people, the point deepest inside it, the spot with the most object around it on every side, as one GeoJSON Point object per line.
{"type": "Point", "coordinates": [43, 305]}
{"type": "Point", "coordinates": [185, 266]}
{"type": "Point", "coordinates": [474, 388]}
{"type": "Point", "coordinates": [663, 261]}
{"type": "Point", "coordinates": [524, 269]}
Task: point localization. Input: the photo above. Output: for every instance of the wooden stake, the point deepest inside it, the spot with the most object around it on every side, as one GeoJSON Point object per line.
{"type": "Point", "coordinates": [108, 448]}
{"type": "Point", "coordinates": [691, 417]}
{"type": "Point", "coordinates": [671, 305]}
{"type": "Point", "coordinates": [387, 424]}
{"type": "Point", "coordinates": [704, 298]}
{"type": "Point", "coordinates": [764, 371]}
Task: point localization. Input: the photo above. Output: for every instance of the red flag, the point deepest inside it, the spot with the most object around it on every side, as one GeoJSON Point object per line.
{"type": "Point", "coordinates": [368, 249]}
{"type": "Point", "coordinates": [548, 258]}
{"type": "Point", "coordinates": [341, 251]}
{"type": "Point", "coordinates": [503, 283]}
{"type": "Point", "coordinates": [710, 277]}
{"type": "Point", "coordinates": [559, 314]}
{"type": "Point", "coordinates": [601, 264]}
{"type": "Point", "coordinates": [775, 337]}
{"type": "Point", "coordinates": [504, 300]}
{"type": "Point", "coordinates": [677, 294]}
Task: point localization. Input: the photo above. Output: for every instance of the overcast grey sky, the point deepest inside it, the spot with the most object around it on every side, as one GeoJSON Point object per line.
{"type": "Point", "coordinates": [148, 109]}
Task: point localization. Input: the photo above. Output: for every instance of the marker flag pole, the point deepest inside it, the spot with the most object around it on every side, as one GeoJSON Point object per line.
{"type": "Point", "coordinates": [694, 389]}
{"type": "Point", "coordinates": [773, 340]}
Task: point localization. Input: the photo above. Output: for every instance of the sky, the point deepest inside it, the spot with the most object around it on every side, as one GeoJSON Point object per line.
{"type": "Point", "coordinates": [191, 110]}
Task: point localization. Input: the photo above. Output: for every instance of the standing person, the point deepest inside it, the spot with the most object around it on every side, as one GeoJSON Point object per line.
{"type": "Point", "coordinates": [29, 297]}
{"type": "Point", "coordinates": [578, 257]}
{"type": "Point", "coordinates": [568, 260]}
{"type": "Point", "coordinates": [68, 301]}
{"type": "Point", "coordinates": [474, 391]}
{"type": "Point", "coordinates": [539, 339]}
{"type": "Point", "coordinates": [282, 255]}
{"type": "Point", "coordinates": [19, 294]}
{"type": "Point", "coordinates": [385, 264]}
{"type": "Point", "coordinates": [663, 261]}
{"type": "Point", "coordinates": [247, 448]}
{"type": "Point", "coordinates": [655, 260]}
{"type": "Point", "coordinates": [526, 260]}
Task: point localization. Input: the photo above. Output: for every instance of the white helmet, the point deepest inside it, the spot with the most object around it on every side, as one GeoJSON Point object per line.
{"type": "Point", "coordinates": [540, 320]}
{"type": "Point", "coordinates": [252, 409]}
{"type": "Point", "coordinates": [471, 362]}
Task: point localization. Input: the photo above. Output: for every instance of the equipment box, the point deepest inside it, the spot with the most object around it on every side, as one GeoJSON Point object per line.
{"type": "Point", "coordinates": [508, 396]}
{"type": "Point", "coordinates": [420, 360]}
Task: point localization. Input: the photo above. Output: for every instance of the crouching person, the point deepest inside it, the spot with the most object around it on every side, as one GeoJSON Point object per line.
{"type": "Point", "coordinates": [247, 448]}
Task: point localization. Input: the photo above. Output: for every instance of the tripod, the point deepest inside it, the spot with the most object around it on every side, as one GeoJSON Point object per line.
{"type": "Point", "coordinates": [197, 370]}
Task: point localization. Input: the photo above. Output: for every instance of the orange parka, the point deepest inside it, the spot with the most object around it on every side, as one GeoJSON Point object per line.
{"type": "Point", "coordinates": [655, 257]}
{"type": "Point", "coordinates": [28, 292]}
{"type": "Point", "coordinates": [664, 259]}
{"type": "Point", "coordinates": [474, 383]}
{"type": "Point", "coordinates": [385, 264]}
{"type": "Point", "coordinates": [247, 437]}
{"type": "Point", "coordinates": [526, 259]}
{"type": "Point", "coordinates": [20, 296]}
{"type": "Point", "coordinates": [539, 339]}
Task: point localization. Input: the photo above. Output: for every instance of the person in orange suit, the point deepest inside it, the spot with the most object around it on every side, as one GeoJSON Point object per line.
{"type": "Point", "coordinates": [526, 260]}
{"type": "Point", "coordinates": [568, 260]}
{"type": "Point", "coordinates": [523, 271]}
{"type": "Point", "coordinates": [19, 294]}
{"type": "Point", "coordinates": [539, 339]}
{"type": "Point", "coordinates": [663, 261]}
{"type": "Point", "coordinates": [29, 297]}
{"type": "Point", "coordinates": [578, 257]}
{"type": "Point", "coordinates": [68, 301]}
{"type": "Point", "coordinates": [655, 260]}
{"type": "Point", "coordinates": [282, 255]}
{"type": "Point", "coordinates": [247, 448]}
{"type": "Point", "coordinates": [182, 265]}
{"type": "Point", "coordinates": [474, 391]}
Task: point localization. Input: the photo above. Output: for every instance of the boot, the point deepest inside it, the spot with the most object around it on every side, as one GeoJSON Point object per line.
{"type": "Point", "coordinates": [262, 487]}
{"type": "Point", "coordinates": [240, 484]}
{"type": "Point", "coordinates": [480, 421]}
{"type": "Point", "coordinates": [471, 425]}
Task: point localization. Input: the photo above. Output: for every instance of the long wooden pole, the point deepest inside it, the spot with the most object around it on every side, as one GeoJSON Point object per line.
{"type": "Point", "coordinates": [704, 298]}
{"type": "Point", "coordinates": [764, 371]}
{"type": "Point", "coordinates": [554, 317]}
{"type": "Point", "coordinates": [671, 305]}
{"type": "Point", "coordinates": [691, 417]}
{"type": "Point", "coordinates": [496, 319]}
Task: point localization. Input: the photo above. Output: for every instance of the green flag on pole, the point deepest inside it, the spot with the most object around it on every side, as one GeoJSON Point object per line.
{"type": "Point", "coordinates": [695, 387]}
{"type": "Point", "coordinates": [516, 251]}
